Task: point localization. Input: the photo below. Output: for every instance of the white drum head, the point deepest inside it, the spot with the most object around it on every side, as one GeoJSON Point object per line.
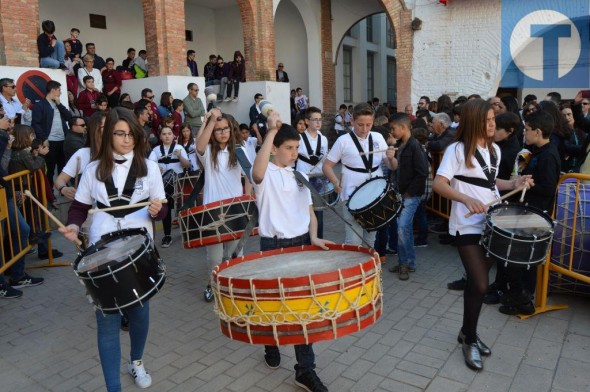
{"type": "Point", "coordinates": [367, 193]}
{"type": "Point", "coordinates": [519, 221]}
{"type": "Point", "coordinates": [116, 251]}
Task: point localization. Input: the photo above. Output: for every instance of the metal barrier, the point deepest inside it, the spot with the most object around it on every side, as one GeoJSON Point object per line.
{"type": "Point", "coordinates": [36, 219]}
{"type": "Point", "coordinates": [437, 204]}
{"type": "Point", "coordinates": [570, 232]}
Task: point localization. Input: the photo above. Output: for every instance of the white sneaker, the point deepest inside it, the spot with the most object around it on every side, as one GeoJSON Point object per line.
{"type": "Point", "coordinates": [141, 376]}
{"type": "Point", "coordinates": [227, 99]}
{"type": "Point", "coordinates": [235, 99]}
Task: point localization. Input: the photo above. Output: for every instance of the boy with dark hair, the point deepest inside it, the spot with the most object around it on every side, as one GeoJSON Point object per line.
{"type": "Point", "coordinates": [411, 174]}
{"type": "Point", "coordinates": [340, 121]}
{"type": "Point", "coordinates": [75, 43]}
{"type": "Point", "coordinates": [102, 103]}
{"type": "Point", "coordinates": [127, 63]}
{"type": "Point", "coordinates": [209, 70]}
{"type": "Point", "coordinates": [51, 50]}
{"type": "Point", "coordinates": [544, 166]}
{"type": "Point", "coordinates": [286, 219]}
{"type": "Point", "coordinates": [191, 63]}
{"type": "Point", "coordinates": [177, 109]}
{"type": "Point", "coordinates": [88, 97]}
{"type": "Point", "coordinates": [237, 75]}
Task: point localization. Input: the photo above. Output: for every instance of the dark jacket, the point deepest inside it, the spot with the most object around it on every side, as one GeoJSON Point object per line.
{"type": "Point", "coordinates": [222, 72]}
{"type": "Point", "coordinates": [544, 166]}
{"type": "Point", "coordinates": [253, 114]}
{"type": "Point", "coordinates": [76, 45]}
{"type": "Point", "coordinates": [25, 160]}
{"type": "Point", "coordinates": [285, 77]}
{"type": "Point", "coordinates": [237, 70]}
{"type": "Point", "coordinates": [509, 148]}
{"type": "Point", "coordinates": [440, 142]}
{"type": "Point", "coordinates": [99, 62]}
{"type": "Point", "coordinates": [44, 45]}
{"type": "Point", "coordinates": [192, 65]}
{"type": "Point", "coordinates": [72, 143]}
{"type": "Point", "coordinates": [209, 71]}
{"type": "Point", "coordinates": [412, 169]}
{"type": "Point", "coordinates": [43, 118]}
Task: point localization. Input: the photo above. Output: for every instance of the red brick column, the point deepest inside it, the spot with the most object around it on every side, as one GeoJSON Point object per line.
{"type": "Point", "coordinates": [259, 38]}
{"type": "Point", "coordinates": [164, 23]}
{"type": "Point", "coordinates": [401, 19]}
{"type": "Point", "coordinates": [328, 66]}
{"type": "Point", "coordinates": [19, 27]}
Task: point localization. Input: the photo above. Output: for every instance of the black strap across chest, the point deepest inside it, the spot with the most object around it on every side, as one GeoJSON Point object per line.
{"type": "Point", "coordinates": [313, 159]}
{"type": "Point", "coordinates": [367, 158]}
{"type": "Point", "coordinates": [187, 148]}
{"type": "Point", "coordinates": [125, 199]}
{"type": "Point", "coordinates": [166, 159]}
{"type": "Point", "coordinates": [489, 172]}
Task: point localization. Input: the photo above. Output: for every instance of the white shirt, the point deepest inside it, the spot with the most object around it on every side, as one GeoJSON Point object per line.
{"type": "Point", "coordinates": [338, 122]}
{"type": "Point", "coordinates": [14, 107]}
{"type": "Point", "coordinates": [345, 151]}
{"type": "Point", "coordinates": [305, 167]}
{"type": "Point", "coordinates": [95, 74]}
{"type": "Point", "coordinates": [223, 182]}
{"type": "Point", "coordinates": [77, 162]}
{"type": "Point", "coordinates": [148, 187]}
{"type": "Point", "coordinates": [283, 205]}
{"type": "Point", "coordinates": [156, 154]}
{"type": "Point", "coordinates": [250, 147]}
{"type": "Point", "coordinates": [192, 156]}
{"type": "Point", "coordinates": [453, 163]}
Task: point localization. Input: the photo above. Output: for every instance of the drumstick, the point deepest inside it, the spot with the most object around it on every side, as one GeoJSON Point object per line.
{"type": "Point", "coordinates": [142, 204]}
{"type": "Point", "coordinates": [375, 152]}
{"type": "Point", "coordinates": [526, 186]}
{"type": "Point", "coordinates": [53, 218]}
{"type": "Point", "coordinates": [512, 192]}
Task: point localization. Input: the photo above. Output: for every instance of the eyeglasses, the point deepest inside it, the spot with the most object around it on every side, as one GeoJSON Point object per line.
{"type": "Point", "coordinates": [123, 135]}
{"type": "Point", "coordinates": [152, 97]}
{"type": "Point", "coordinates": [222, 130]}
{"type": "Point", "coordinates": [583, 103]}
{"type": "Point", "coordinates": [82, 125]}
{"type": "Point", "coordinates": [315, 119]}
{"type": "Point", "coordinates": [10, 86]}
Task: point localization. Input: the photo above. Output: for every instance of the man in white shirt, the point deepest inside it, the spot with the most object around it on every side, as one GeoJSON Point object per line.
{"type": "Point", "coordinates": [10, 103]}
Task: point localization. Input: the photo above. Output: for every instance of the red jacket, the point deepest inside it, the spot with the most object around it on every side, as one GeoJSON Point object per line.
{"type": "Point", "coordinates": [177, 123]}
{"type": "Point", "coordinates": [110, 80]}
{"type": "Point", "coordinates": [85, 100]}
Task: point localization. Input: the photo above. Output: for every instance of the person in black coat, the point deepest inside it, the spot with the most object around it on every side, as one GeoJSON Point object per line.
{"type": "Point", "coordinates": [506, 126]}
{"type": "Point", "coordinates": [281, 74]}
{"type": "Point", "coordinates": [254, 112]}
{"type": "Point", "coordinates": [444, 134]}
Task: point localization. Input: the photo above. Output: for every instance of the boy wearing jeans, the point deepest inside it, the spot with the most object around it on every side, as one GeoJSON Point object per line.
{"type": "Point", "coordinates": [412, 171]}
{"type": "Point", "coordinates": [286, 218]}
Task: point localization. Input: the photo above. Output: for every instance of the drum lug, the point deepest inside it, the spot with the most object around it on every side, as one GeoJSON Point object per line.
{"type": "Point", "coordinates": [112, 274]}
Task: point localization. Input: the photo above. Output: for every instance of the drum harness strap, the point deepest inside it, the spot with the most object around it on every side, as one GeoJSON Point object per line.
{"type": "Point", "coordinates": [170, 158]}
{"type": "Point", "coordinates": [368, 162]}
{"type": "Point", "coordinates": [490, 172]}
{"type": "Point", "coordinates": [125, 199]}
{"type": "Point", "coordinates": [313, 159]}
{"type": "Point", "coordinates": [301, 179]}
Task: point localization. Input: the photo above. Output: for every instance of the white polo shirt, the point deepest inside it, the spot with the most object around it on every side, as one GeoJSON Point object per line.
{"type": "Point", "coordinates": [283, 204]}
{"type": "Point", "coordinates": [77, 162]}
{"type": "Point", "coordinates": [156, 156]}
{"type": "Point", "coordinates": [453, 163]}
{"type": "Point", "coordinates": [250, 147]}
{"type": "Point", "coordinates": [91, 190]}
{"type": "Point", "coordinates": [192, 155]}
{"type": "Point", "coordinates": [305, 167]}
{"type": "Point", "coordinates": [345, 151]}
{"type": "Point", "coordinates": [223, 182]}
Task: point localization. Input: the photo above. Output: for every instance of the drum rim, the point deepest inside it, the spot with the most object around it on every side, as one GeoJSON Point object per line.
{"type": "Point", "coordinates": [215, 204]}
{"type": "Point", "coordinates": [124, 263]}
{"type": "Point", "coordinates": [509, 234]}
{"type": "Point", "coordinates": [379, 198]}
{"type": "Point", "coordinates": [105, 239]}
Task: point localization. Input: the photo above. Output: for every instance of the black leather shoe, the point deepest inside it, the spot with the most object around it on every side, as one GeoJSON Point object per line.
{"type": "Point", "coordinates": [472, 357]}
{"type": "Point", "coordinates": [492, 298]}
{"type": "Point", "coordinates": [460, 284]}
{"type": "Point", "coordinates": [481, 346]}
{"type": "Point", "coordinates": [516, 299]}
{"type": "Point", "coordinates": [513, 310]}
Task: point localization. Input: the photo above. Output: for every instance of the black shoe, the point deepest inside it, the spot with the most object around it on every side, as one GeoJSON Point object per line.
{"type": "Point", "coordinates": [310, 381]}
{"type": "Point", "coordinates": [208, 294]}
{"type": "Point", "coordinates": [395, 269]}
{"type": "Point", "coordinates": [124, 323]}
{"type": "Point", "coordinates": [7, 291]}
{"type": "Point", "coordinates": [25, 281]}
{"type": "Point", "coordinates": [460, 284]}
{"type": "Point", "coordinates": [516, 299]}
{"type": "Point", "coordinates": [391, 251]}
{"type": "Point", "coordinates": [272, 359]}
{"type": "Point", "coordinates": [472, 356]}
{"type": "Point", "coordinates": [526, 309]}
{"type": "Point", "coordinates": [56, 255]}
{"type": "Point", "coordinates": [481, 346]}
{"type": "Point", "coordinates": [492, 298]}
{"type": "Point", "coordinates": [166, 241]}
{"type": "Point", "coordinates": [63, 67]}
{"type": "Point", "coordinates": [420, 244]}
{"type": "Point", "coordinates": [440, 228]}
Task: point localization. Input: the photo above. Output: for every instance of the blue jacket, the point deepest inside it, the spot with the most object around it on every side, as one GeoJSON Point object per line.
{"type": "Point", "coordinates": [43, 118]}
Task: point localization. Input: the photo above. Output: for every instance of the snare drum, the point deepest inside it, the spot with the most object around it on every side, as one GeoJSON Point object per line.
{"type": "Point", "coordinates": [169, 178]}
{"type": "Point", "coordinates": [216, 222]}
{"type": "Point", "coordinates": [298, 295]}
{"type": "Point", "coordinates": [326, 190]}
{"type": "Point", "coordinates": [517, 234]}
{"type": "Point", "coordinates": [183, 186]}
{"type": "Point", "coordinates": [121, 270]}
{"type": "Point", "coordinates": [374, 203]}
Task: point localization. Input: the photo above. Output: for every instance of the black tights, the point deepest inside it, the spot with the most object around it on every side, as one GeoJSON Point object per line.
{"type": "Point", "coordinates": [167, 221]}
{"type": "Point", "coordinates": [477, 267]}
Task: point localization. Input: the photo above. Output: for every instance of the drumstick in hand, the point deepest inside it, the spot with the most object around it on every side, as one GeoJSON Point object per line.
{"type": "Point", "coordinates": [512, 192]}
{"type": "Point", "coordinates": [136, 205]}
{"type": "Point", "coordinates": [375, 152]}
{"type": "Point", "coordinates": [49, 214]}
{"type": "Point", "coordinates": [526, 186]}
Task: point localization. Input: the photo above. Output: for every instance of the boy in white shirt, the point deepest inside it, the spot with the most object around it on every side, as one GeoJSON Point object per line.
{"type": "Point", "coordinates": [286, 219]}
{"type": "Point", "coordinates": [249, 142]}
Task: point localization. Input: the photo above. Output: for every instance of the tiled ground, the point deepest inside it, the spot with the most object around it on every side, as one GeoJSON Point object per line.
{"type": "Point", "coordinates": [47, 338]}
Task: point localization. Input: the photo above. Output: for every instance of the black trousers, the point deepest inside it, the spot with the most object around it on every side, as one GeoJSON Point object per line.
{"type": "Point", "coordinates": [55, 157]}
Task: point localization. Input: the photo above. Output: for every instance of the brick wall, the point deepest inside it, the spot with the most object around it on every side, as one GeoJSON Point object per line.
{"type": "Point", "coordinates": [259, 38]}
{"type": "Point", "coordinates": [328, 68]}
{"type": "Point", "coordinates": [164, 36]}
{"type": "Point", "coordinates": [19, 27]}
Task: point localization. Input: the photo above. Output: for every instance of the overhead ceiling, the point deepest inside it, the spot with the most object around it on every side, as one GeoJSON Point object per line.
{"type": "Point", "coordinates": [213, 3]}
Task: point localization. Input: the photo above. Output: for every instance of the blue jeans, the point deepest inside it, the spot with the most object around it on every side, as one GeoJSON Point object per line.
{"type": "Point", "coordinates": [303, 352]}
{"type": "Point", "coordinates": [56, 58]}
{"type": "Point", "coordinates": [353, 233]}
{"type": "Point", "coordinates": [422, 222]}
{"type": "Point", "coordinates": [405, 232]}
{"type": "Point", "coordinates": [109, 345]}
{"type": "Point", "coordinates": [15, 219]}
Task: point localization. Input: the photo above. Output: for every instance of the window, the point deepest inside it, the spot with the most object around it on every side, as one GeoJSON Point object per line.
{"type": "Point", "coordinates": [391, 81]}
{"type": "Point", "coordinates": [188, 34]}
{"type": "Point", "coordinates": [98, 21]}
{"type": "Point", "coordinates": [369, 22]}
{"type": "Point", "coordinates": [370, 75]}
{"type": "Point", "coordinates": [347, 73]}
{"type": "Point", "coordinates": [389, 34]}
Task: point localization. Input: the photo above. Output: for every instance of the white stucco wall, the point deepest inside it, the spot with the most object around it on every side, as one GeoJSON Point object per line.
{"type": "Point", "coordinates": [124, 21]}
{"type": "Point", "coordinates": [458, 50]}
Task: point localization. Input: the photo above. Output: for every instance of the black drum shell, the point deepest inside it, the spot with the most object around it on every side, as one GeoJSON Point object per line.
{"type": "Point", "coordinates": [380, 211]}
{"type": "Point", "coordinates": [128, 283]}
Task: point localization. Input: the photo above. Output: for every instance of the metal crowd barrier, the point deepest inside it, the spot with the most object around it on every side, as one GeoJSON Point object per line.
{"type": "Point", "coordinates": [437, 204]}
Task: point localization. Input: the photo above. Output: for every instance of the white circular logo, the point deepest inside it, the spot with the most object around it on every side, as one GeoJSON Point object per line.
{"type": "Point", "coordinates": [527, 51]}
